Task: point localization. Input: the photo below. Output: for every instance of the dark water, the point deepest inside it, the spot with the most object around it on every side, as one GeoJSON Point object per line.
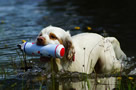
{"type": "Point", "coordinates": [23, 20]}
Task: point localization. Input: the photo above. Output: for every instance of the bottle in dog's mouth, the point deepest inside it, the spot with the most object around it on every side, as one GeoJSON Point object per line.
{"type": "Point", "coordinates": [45, 59]}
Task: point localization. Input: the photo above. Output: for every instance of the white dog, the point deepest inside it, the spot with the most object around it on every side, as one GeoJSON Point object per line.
{"type": "Point", "coordinates": [86, 52]}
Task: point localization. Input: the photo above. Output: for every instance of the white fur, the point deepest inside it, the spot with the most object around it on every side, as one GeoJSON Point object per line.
{"type": "Point", "coordinates": [90, 50]}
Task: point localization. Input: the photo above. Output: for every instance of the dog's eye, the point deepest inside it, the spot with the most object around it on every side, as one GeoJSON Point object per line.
{"type": "Point", "coordinates": [40, 34]}
{"type": "Point", "coordinates": [53, 36]}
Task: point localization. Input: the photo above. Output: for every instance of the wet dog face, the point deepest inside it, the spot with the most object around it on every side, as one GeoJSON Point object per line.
{"type": "Point", "coordinates": [50, 35]}
{"type": "Point", "coordinates": [56, 35]}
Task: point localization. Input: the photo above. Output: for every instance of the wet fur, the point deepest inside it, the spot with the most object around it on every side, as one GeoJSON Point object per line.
{"type": "Point", "coordinates": [85, 52]}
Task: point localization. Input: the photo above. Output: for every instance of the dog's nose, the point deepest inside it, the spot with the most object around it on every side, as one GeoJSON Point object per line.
{"type": "Point", "coordinates": [41, 40]}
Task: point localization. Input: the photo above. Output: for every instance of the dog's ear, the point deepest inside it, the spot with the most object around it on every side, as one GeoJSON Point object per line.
{"type": "Point", "coordinates": [68, 44]}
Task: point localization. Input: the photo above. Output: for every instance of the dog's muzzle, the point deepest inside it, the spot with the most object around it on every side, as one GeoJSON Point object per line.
{"type": "Point", "coordinates": [41, 40]}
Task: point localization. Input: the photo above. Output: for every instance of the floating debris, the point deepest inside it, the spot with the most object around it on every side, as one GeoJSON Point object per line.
{"type": "Point", "coordinates": [6, 45]}
{"type": "Point", "coordinates": [2, 22]}
{"type": "Point", "coordinates": [77, 28]}
{"type": "Point", "coordinates": [130, 78]}
{"type": "Point", "coordinates": [119, 78]}
{"type": "Point", "coordinates": [89, 28]}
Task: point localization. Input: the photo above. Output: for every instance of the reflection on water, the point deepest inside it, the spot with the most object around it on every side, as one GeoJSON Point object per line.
{"type": "Point", "coordinates": [90, 84]}
{"type": "Point", "coordinates": [60, 84]}
{"type": "Point", "coordinates": [70, 83]}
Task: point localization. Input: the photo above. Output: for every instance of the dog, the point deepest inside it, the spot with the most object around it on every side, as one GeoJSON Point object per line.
{"type": "Point", "coordinates": [85, 52]}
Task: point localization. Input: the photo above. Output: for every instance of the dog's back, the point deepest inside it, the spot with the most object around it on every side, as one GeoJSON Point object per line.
{"type": "Point", "coordinates": [88, 47]}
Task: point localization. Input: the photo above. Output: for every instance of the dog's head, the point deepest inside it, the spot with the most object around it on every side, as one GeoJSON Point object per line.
{"type": "Point", "coordinates": [56, 35]}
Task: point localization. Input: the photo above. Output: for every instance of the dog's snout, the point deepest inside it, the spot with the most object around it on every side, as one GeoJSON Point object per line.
{"type": "Point", "coordinates": [41, 40]}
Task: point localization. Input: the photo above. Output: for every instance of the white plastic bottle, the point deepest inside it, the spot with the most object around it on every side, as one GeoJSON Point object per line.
{"type": "Point", "coordinates": [50, 50]}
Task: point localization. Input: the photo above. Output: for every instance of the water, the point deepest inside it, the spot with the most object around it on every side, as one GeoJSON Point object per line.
{"type": "Point", "coordinates": [23, 20]}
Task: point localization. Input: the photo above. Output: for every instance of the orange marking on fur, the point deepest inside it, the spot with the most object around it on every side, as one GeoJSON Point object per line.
{"type": "Point", "coordinates": [54, 37]}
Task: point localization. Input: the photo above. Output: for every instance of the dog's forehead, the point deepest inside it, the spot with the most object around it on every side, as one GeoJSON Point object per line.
{"type": "Point", "coordinates": [56, 30]}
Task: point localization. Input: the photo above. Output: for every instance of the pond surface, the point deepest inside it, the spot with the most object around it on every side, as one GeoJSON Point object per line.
{"type": "Point", "coordinates": [23, 20]}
